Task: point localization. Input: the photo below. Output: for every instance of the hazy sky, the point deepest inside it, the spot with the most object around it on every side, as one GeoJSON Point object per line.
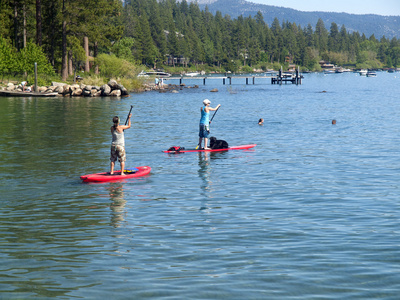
{"type": "Point", "coordinates": [379, 7]}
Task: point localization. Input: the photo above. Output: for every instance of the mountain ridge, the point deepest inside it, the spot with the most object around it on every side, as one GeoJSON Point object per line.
{"type": "Point", "coordinates": [368, 24]}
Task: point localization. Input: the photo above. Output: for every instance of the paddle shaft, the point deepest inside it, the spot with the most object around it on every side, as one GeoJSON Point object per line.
{"type": "Point", "coordinates": [214, 114]}
{"type": "Point", "coordinates": [127, 118]}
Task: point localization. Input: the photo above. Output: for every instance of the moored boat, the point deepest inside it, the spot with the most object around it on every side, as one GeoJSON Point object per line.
{"type": "Point", "coordinates": [154, 73]}
{"type": "Point", "coordinates": [192, 74]}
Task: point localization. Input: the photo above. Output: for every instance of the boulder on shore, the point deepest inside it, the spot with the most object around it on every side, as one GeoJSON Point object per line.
{"type": "Point", "coordinates": [112, 88]}
{"type": "Point", "coordinates": [115, 93]}
{"type": "Point", "coordinates": [77, 92]}
{"type": "Point", "coordinates": [57, 83]}
{"type": "Point", "coordinates": [86, 93]}
{"type": "Point", "coordinates": [105, 90]}
{"type": "Point", "coordinates": [113, 84]}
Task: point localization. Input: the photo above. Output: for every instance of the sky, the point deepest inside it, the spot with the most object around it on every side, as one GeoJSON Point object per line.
{"type": "Point", "coordinates": [378, 7]}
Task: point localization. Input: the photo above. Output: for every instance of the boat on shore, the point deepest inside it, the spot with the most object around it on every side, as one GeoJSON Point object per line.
{"type": "Point", "coordinates": [26, 94]}
{"type": "Point", "coordinates": [371, 74]}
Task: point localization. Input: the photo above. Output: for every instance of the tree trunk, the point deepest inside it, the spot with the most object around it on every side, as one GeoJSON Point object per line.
{"type": "Point", "coordinates": [64, 70]}
{"type": "Point", "coordinates": [39, 22]}
{"type": "Point", "coordinates": [95, 50]}
{"type": "Point", "coordinates": [16, 24]}
{"type": "Point", "coordinates": [52, 34]}
{"type": "Point", "coordinates": [64, 67]}
{"type": "Point", "coordinates": [86, 47]}
{"type": "Point", "coordinates": [24, 27]}
{"type": "Point", "coordinates": [70, 61]}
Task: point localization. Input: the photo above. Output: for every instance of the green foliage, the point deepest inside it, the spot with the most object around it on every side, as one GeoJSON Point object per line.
{"type": "Point", "coordinates": [30, 55]}
{"type": "Point", "coordinates": [78, 53]}
{"type": "Point", "coordinates": [124, 49]}
{"type": "Point", "coordinates": [149, 32]}
{"type": "Point", "coordinates": [111, 67]}
{"type": "Point", "coordinates": [246, 69]}
{"type": "Point", "coordinates": [24, 61]}
{"type": "Point", "coordinates": [8, 57]}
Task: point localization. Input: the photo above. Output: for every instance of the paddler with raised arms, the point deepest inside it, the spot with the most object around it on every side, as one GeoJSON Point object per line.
{"type": "Point", "coordinates": [204, 128]}
{"type": "Point", "coordinates": [118, 143]}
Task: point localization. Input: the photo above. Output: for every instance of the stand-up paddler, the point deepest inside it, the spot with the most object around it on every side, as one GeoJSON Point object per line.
{"type": "Point", "coordinates": [118, 143]}
{"type": "Point", "coordinates": [204, 128]}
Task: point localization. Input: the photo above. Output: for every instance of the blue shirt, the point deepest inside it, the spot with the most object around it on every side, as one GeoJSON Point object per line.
{"type": "Point", "coordinates": [205, 117]}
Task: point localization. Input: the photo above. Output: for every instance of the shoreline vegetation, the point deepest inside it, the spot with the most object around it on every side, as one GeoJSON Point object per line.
{"type": "Point", "coordinates": [94, 86]}
{"type": "Point", "coordinates": [174, 36]}
{"type": "Point", "coordinates": [112, 89]}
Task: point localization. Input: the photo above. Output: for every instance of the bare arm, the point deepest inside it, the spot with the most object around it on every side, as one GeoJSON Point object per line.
{"type": "Point", "coordinates": [123, 127]}
{"type": "Point", "coordinates": [212, 109]}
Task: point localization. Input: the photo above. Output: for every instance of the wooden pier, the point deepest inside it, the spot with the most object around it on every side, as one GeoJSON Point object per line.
{"type": "Point", "coordinates": [294, 78]}
{"type": "Point", "coordinates": [287, 77]}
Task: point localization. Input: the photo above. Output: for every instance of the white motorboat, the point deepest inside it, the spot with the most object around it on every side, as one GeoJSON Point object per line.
{"type": "Point", "coordinates": [192, 74]}
{"type": "Point", "coordinates": [154, 73]}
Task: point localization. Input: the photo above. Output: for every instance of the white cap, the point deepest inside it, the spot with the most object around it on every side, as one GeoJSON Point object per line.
{"type": "Point", "coordinates": [206, 101]}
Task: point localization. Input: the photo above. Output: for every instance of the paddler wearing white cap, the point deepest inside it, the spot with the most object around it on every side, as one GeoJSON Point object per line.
{"type": "Point", "coordinates": [204, 127]}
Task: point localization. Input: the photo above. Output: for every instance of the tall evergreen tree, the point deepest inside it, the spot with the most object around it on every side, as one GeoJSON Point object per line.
{"type": "Point", "coordinates": [333, 39]}
{"type": "Point", "coordinates": [321, 36]}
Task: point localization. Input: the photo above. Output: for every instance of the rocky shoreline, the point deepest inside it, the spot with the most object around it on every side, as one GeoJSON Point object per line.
{"type": "Point", "coordinates": [111, 89]}
{"type": "Point", "coordinates": [166, 88]}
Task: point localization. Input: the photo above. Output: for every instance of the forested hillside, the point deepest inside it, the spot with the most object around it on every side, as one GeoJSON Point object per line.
{"type": "Point", "coordinates": [388, 26]}
{"type": "Point", "coordinates": [167, 32]}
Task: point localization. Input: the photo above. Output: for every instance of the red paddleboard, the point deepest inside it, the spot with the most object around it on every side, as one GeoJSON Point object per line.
{"type": "Point", "coordinates": [106, 176]}
{"type": "Point", "coordinates": [242, 147]}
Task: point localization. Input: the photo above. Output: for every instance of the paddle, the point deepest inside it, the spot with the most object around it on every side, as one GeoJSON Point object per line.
{"type": "Point", "coordinates": [198, 145]}
{"type": "Point", "coordinates": [127, 118]}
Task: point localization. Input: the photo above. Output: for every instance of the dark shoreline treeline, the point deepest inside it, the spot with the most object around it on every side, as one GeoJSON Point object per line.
{"type": "Point", "coordinates": [179, 34]}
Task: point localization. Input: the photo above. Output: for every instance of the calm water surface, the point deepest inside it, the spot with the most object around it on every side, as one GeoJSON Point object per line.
{"type": "Point", "coordinates": [312, 212]}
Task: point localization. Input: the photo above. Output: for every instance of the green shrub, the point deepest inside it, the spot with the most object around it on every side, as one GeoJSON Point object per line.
{"type": "Point", "coordinates": [111, 66]}
{"type": "Point", "coordinates": [246, 69]}
{"type": "Point", "coordinates": [31, 54]}
{"type": "Point", "coordinates": [8, 57]}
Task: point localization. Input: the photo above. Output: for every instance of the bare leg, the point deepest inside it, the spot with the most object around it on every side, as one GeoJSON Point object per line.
{"type": "Point", "coordinates": [122, 167]}
{"type": "Point", "coordinates": [112, 168]}
{"type": "Point", "coordinates": [205, 144]}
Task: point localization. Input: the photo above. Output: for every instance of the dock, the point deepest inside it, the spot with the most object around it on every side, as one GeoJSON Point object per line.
{"type": "Point", "coordinates": [282, 77]}
{"type": "Point", "coordinates": [279, 78]}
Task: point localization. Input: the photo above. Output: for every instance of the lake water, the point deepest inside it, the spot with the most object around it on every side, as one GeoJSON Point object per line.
{"type": "Point", "coordinates": [312, 212]}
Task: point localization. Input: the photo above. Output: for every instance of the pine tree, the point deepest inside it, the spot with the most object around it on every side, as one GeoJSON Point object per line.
{"type": "Point", "coordinates": [321, 36]}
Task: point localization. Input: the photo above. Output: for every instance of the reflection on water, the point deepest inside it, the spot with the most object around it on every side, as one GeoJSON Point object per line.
{"type": "Point", "coordinates": [204, 171]}
{"type": "Point", "coordinates": [311, 212]}
{"type": "Point", "coordinates": [118, 202]}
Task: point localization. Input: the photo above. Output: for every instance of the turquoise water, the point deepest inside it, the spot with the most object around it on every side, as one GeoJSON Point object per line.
{"type": "Point", "coordinates": [312, 212]}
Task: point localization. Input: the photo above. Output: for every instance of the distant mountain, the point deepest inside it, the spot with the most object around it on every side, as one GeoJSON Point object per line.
{"type": "Point", "coordinates": [389, 26]}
